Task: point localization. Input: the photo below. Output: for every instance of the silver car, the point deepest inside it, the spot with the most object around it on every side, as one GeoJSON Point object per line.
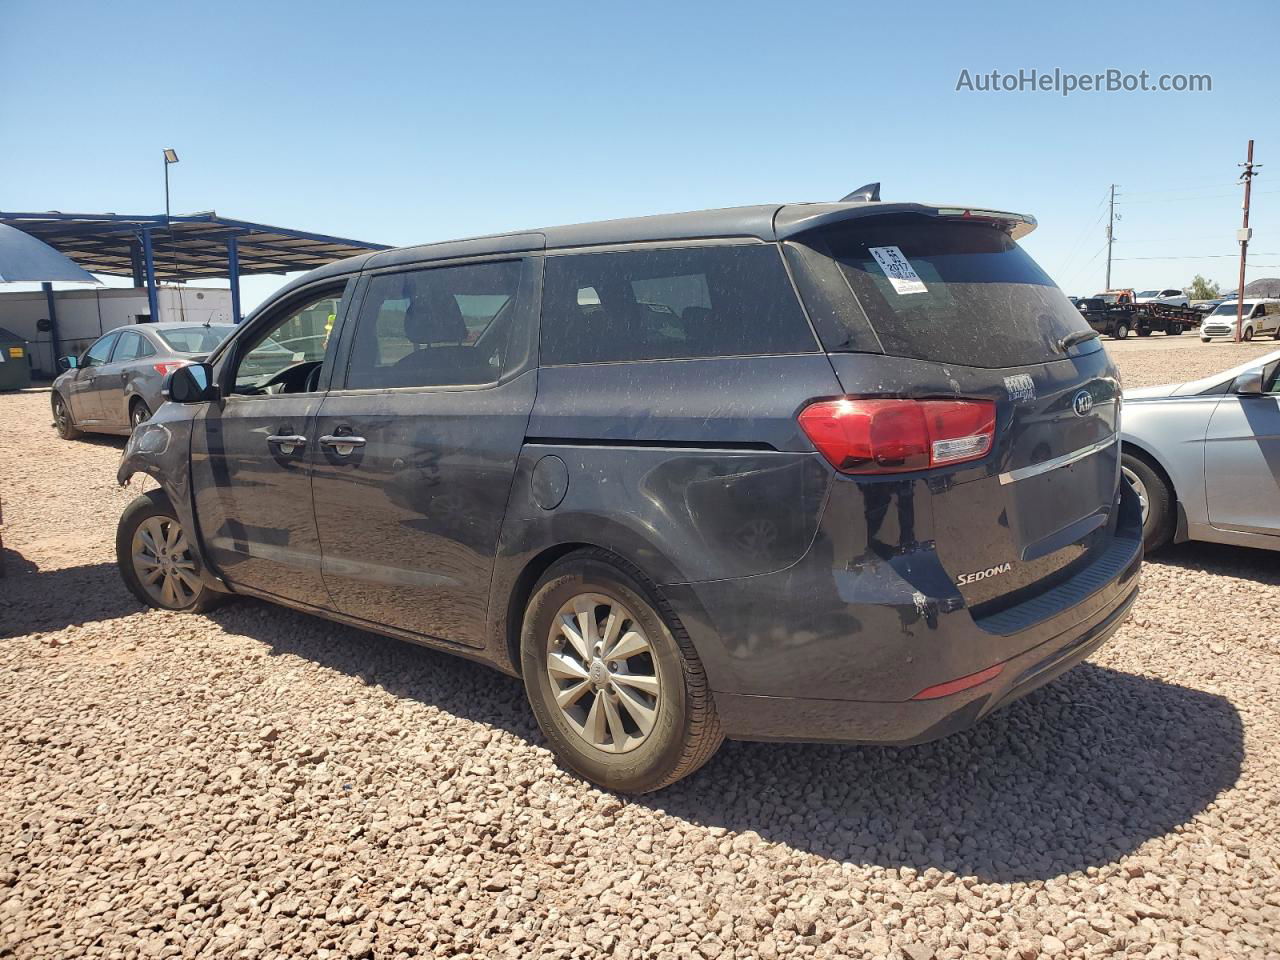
{"type": "Point", "coordinates": [115, 384]}
{"type": "Point", "coordinates": [1204, 457]}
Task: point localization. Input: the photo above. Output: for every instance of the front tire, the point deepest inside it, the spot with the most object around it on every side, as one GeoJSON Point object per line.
{"type": "Point", "coordinates": [1122, 332]}
{"type": "Point", "coordinates": [139, 413]}
{"type": "Point", "coordinates": [63, 422]}
{"type": "Point", "coordinates": [613, 678]}
{"type": "Point", "coordinates": [1247, 335]}
{"type": "Point", "coordinates": [1156, 497]}
{"type": "Point", "coordinates": [156, 559]}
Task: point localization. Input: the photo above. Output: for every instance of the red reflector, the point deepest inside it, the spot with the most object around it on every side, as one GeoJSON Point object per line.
{"type": "Point", "coordinates": [166, 367]}
{"type": "Point", "coordinates": [892, 436]}
{"type": "Point", "coordinates": [960, 683]}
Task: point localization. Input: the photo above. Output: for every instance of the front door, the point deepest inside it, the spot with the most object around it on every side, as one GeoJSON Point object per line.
{"type": "Point", "coordinates": [250, 451]}
{"type": "Point", "coordinates": [86, 397]}
{"type": "Point", "coordinates": [1242, 460]}
{"type": "Point", "coordinates": [418, 447]}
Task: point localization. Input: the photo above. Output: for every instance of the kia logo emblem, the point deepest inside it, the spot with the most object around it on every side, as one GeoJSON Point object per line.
{"type": "Point", "coordinates": [1082, 403]}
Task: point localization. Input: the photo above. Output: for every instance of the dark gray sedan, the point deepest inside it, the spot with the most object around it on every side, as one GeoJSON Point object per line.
{"type": "Point", "coordinates": [115, 384]}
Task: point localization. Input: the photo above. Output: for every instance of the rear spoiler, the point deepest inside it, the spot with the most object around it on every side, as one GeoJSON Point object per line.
{"type": "Point", "coordinates": [797, 218]}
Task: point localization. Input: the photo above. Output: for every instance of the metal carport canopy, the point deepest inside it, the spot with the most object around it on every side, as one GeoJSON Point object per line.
{"type": "Point", "coordinates": [184, 247]}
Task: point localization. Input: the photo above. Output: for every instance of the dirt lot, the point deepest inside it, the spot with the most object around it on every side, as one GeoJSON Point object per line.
{"type": "Point", "coordinates": [259, 783]}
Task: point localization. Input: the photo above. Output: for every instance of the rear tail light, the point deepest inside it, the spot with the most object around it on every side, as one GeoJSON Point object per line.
{"type": "Point", "coordinates": [166, 367]}
{"type": "Point", "coordinates": [893, 436]}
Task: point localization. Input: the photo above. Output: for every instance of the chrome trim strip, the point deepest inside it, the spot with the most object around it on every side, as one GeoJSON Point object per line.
{"type": "Point", "coordinates": [1044, 466]}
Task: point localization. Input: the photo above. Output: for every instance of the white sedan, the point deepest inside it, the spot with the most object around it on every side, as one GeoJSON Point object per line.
{"type": "Point", "coordinates": [1204, 456]}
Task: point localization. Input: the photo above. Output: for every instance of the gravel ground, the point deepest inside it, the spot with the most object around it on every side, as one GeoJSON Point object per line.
{"type": "Point", "coordinates": [258, 783]}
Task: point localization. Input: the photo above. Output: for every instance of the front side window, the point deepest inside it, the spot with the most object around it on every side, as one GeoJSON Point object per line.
{"type": "Point", "coordinates": [682, 303]}
{"type": "Point", "coordinates": [285, 355]}
{"type": "Point", "coordinates": [98, 354]}
{"type": "Point", "coordinates": [445, 326]}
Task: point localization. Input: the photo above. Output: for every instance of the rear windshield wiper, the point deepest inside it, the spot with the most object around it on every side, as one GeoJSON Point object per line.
{"type": "Point", "coordinates": [1080, 336]}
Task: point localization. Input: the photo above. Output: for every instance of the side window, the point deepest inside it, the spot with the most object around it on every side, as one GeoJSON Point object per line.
{"type": "Point", "coordinates": [285, 354]}
{"type": "Point", "coordinates": [129, 347]}
{"type": "Point", "coordinates": [97, 355]}
{"type": "Point", "coordinates": [145, 348]}
{"type": "Point", "coordinates": [446, 326]}
{"type": "Point", "coordinates": [670, 304]}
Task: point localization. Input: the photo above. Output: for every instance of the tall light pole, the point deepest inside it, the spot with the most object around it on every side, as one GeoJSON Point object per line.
{"type": "Point", "coordinates": [170, 156]}
{"type": "Point", "coordinates": [1243, 235]}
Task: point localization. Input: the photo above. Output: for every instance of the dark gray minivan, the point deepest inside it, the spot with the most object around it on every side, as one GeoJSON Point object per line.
{"type": "Point", "coordinates": [838, 471]}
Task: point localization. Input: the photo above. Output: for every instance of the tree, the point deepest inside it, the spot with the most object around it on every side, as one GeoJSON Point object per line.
{"type": "Point", "coordinates": [1202, 289]}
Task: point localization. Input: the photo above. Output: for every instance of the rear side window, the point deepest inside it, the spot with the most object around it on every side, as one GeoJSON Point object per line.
{"type": "Point", "coordinates": [670, 304]}
{"type": "Point", "coordinates": [929, 289]}
{"type": "Point", "coordinates": [129, 347]}
{"type": "Point", "coordinates": [197, 339]}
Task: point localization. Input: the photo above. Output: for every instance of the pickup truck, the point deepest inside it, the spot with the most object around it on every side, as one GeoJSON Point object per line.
{"type": "Point", "coordinates": [1114, 313]}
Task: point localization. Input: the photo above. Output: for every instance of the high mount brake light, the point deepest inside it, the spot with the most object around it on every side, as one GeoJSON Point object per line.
{"type": "Point", "coordinates": [873, 436]}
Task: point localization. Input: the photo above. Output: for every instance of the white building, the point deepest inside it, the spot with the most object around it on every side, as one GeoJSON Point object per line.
{"type": "Point", "coordinates": [85, 315]}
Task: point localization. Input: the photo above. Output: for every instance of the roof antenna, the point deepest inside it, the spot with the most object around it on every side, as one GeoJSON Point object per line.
{"type": "Point", "coordinates": [869, 192]}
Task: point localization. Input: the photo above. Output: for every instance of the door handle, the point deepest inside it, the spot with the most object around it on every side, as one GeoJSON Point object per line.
{"type": "Point", "coordinates": [342, 445]}
{"type": "Point", "coordinates": [287, 442]}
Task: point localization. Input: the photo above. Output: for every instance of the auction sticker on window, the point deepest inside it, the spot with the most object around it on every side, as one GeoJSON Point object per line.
{"type": "Point", "coordinates": [898, 269]}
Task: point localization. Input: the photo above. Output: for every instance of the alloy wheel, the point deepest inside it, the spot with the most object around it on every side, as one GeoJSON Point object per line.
{"type": "Point", "coordinates": [61, 417]}
{"type": "Point", "coordinates": [1140, 489]}
{"type": "Point", "coordinates": [604, 675]}
{"type": "Point", "coordinates": [162, 560]}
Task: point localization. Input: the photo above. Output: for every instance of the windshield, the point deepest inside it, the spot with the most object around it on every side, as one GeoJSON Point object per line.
{"type": "Point", "coordinates": [197, 339]}
{"type": "Point", "coordinates": [1149, 293]}
{"type": "Point", "coordinates": [938, 290]}
{"type": "Point", "coordinates": [1229, 309]}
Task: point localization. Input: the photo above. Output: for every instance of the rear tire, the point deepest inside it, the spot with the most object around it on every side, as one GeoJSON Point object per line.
{"type": "Point", "coordinates": [1157, 497]}
{"type": "Point", "coordinates": [633, 723]}
{"type": "Point", "coordinates": [63, 422]}
{"type": "Point", "coordinates": [156, 559]}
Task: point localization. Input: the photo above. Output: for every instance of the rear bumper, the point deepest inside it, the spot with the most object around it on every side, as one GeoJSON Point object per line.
{"type": "Point", "coordinates": [901, 723]}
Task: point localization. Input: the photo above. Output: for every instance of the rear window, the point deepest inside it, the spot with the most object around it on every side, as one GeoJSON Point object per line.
{"type": "Point", "coordinates": [198, 339]}
{"type": "Point", "coordinates": [670, 304]}
{"type": "Point", "coordinates": [918, 287]}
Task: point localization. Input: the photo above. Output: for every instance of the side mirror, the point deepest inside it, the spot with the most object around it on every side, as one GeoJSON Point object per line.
{"type": "Point", "coordinates": [1248, 384]}
{"type": "Point", "coordinates": [68, 363]}
{"type": "Point", "coordinates": [191, 383]}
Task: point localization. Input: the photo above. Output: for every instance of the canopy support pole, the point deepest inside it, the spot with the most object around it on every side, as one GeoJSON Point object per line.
{"type": "Point", "coordinates": [55, 342]}
{"type": "Point", "coordinates": [233, 274]}
{"type": "Point", "coordinates": [153, 301]}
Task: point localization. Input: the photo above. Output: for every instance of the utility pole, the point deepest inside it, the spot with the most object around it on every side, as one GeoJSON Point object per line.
{"type": "Point", "coordinates": [1243, 236]}
{"type": "Point", "coordinates": [1111, 222]}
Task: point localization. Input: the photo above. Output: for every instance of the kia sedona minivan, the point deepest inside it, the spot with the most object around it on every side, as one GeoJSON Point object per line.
{"type": "Point", "coordinates": [837, 472]}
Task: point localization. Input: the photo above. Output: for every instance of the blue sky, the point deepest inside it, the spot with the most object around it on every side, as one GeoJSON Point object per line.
{"type": "Point", "coordinates": [409, 122]}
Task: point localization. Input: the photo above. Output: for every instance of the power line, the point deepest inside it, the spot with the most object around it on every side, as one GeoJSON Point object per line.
{"type": "Point", "coordinates": [1203, 256]}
